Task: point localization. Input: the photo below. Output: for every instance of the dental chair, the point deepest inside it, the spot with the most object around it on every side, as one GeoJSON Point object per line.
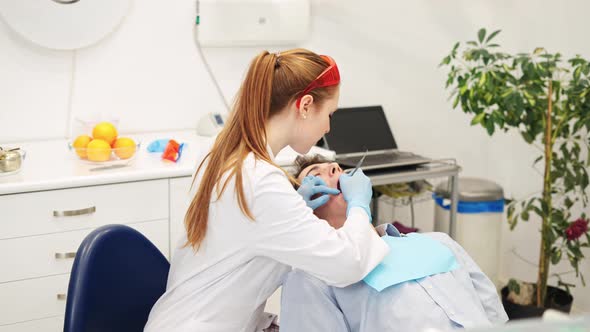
{"type": "Point", "coordinates": [117, 276]}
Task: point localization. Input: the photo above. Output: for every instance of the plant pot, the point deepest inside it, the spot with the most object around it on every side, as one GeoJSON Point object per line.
{"type": "Point", "coordinates": [556, 299]}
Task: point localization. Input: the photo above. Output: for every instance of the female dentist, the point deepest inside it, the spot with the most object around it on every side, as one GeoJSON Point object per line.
{"type": "Point", "coordinates": [247, 227]}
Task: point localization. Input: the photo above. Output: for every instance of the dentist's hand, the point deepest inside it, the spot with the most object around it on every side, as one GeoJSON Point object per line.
{"type": "Point", "coordinates": [313, 185]}
{"type": "Point", "coordinates": [357, 190]}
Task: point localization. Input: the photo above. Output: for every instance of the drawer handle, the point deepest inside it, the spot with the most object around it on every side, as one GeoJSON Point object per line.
{"type": "Point", "coordinates": [61, 296]}
{"type": "Point", "coordinates": [72, 213]}
{"type": "Point", "coordinates": [65, 255]}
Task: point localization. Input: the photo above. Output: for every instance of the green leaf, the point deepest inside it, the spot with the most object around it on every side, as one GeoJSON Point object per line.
{"type": "Point", "coordinates": [538, 211]}
{"type": "Point", "coordinates": [577, 73]}
{"type": "Point", "coordinates": [525, 215]}
{"type": "Point", "coordinates": [463, 89]}
{"type": "Point", "coordinates": [478, 118]}
{"type": "Point", "coordinates": [565, 285]}
{"type": "Point", "coordinates": [445, 61]}
{"type": "Point", "coordinates": [490, 37]}
{"type": "Point", "coordinates": [527, 136]}
{"type": "Point", "coordinates": [481, 34]}
{"type": "Point", "coordinates": [456, 101]}
{"type": "Point", "coordinates": [576, 251]}
{"type": "Point", "coordinates": [490, 127]}
{"type": "Point", "coordinates": [585, 180]}
{"type": "Point", "coordinates": [482, 80]}
{"type": "Point", "coordinates": [513, 286]}
{"type": "Point", "coordinates": [510, 211]}
{"type": "Point", "coordinates": [531, 101]}
{"type": "Point", "coordinates": [555, 255]}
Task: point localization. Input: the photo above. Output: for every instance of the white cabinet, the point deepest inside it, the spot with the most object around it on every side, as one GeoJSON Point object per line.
{"type": "Point", "coordinates": [47, 210]}
{"type": "Point", "coordinates": [180, 199]}
{"type": "Point", "coordinates": [63, 210]}
{"type": "Point", "coordinates": [41, 231]}
{"type": "Point", "coordinates": [37, 298]}
{"type": "Point", "coordinates": [31, 299]}
{"type": "Point", "coordinates": [38, 256]}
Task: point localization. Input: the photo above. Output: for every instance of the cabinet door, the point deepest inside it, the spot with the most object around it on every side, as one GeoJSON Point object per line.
{"type": "Point", "coordinates": [26, 300]}
{"type": "Point", "coordinates": [43, 297]}
{"type": "Point", "coordinates": [38, 256]}
{"type": "Point", "coordinates": [180, 199]}
{"type": "Point", "coordinates": [55, 211]}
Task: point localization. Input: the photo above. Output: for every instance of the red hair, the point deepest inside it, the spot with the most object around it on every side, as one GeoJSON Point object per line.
{"type": "Point", "coordinates": [271, 83]}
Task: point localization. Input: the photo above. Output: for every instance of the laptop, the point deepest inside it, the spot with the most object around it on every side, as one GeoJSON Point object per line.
{"type": "Point", "coordinates": [356, 129]}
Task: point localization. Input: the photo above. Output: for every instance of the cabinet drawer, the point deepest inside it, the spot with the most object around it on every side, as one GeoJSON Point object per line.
{"type": "Point", "coordinates": [52, 324]}
{"type": "Point", "coordinates": [62, 210]}
{"type": "Point", "coordinates": [43, 255]}
{"type": "Point", "coordinates": [32, 299]}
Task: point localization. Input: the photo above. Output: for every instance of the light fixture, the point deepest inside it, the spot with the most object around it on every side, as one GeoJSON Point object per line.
{"type": "Point", "coordinates": [64, 24]}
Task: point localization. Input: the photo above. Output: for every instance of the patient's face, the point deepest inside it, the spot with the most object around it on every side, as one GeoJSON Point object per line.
{"type": "Point", "coordinates": [335, 210]}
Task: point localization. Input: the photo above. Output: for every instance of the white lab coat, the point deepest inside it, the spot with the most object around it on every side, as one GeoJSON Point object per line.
{"type": "Point", "coordinates": [224, 286]}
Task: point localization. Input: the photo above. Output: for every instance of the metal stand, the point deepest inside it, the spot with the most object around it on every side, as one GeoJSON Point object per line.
{"type": "Point", "coordinates": [438, 168]}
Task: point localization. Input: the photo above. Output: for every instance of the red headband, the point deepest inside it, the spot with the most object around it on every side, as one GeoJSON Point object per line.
{"type": "Point", "coordinates": [329, 77]}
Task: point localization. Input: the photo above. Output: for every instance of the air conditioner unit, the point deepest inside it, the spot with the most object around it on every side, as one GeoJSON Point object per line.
{"type": "Point", "coordinates": [230, 23]}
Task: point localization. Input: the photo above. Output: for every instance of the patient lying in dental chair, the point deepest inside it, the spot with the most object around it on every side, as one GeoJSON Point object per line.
{"type": "Point", "coordinates": [461, 298]}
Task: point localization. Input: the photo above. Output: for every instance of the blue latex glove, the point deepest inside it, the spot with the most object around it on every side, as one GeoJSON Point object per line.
{"type": "Point", "coordinates": [357, 191]}
{"type": "Point", "coordinates": [313, 185]}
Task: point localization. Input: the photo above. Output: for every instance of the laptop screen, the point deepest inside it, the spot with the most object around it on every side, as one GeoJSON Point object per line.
{"type": "Point", "coordinates": [353, 129]}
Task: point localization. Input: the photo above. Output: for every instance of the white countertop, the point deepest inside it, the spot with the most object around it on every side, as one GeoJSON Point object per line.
{"type": "Point", "coordinates": [49, 164]}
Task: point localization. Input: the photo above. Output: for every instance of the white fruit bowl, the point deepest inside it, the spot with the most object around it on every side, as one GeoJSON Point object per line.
{"type": "Point", "coordinates": [117, 155]}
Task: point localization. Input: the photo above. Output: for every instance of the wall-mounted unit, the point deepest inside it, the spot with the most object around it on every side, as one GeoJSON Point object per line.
{"type": "Point", "coordinates": [230, 23]}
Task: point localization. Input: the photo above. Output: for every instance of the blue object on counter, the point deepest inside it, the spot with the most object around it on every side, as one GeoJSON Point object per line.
{"type": "Point", "coordinates": [158, 145]}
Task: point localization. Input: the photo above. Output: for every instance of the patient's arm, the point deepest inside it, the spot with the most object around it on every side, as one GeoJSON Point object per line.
{"type": "Point", "coordinates": [484, 287]}
{"type": "Point", "coordinates": [308, 304]}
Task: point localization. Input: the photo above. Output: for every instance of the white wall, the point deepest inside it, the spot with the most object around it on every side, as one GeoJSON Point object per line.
{"type": "Point", "coordinates": [149, 74]}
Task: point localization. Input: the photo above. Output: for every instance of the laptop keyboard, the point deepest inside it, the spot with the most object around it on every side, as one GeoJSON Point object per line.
{"type": "Point", "coordinates": [380, 158]}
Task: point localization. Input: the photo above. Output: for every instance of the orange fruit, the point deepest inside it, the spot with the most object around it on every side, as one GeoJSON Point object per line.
{"type": "Point", "coordinates": [124, 147]}
{"type": "Point", "coordinates": [98, 150]}
{"type": "Point", "coordinates": [105, 131]}
{"type": "Point", "coordinates": [80, 144]}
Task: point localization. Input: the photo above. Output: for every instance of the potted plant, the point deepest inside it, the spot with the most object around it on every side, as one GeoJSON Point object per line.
{"type": "Point", "coordinates": [547, 100]}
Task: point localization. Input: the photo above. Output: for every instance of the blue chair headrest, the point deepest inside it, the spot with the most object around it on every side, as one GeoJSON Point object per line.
{"type": "Point", "coordinates": [117, 276]}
